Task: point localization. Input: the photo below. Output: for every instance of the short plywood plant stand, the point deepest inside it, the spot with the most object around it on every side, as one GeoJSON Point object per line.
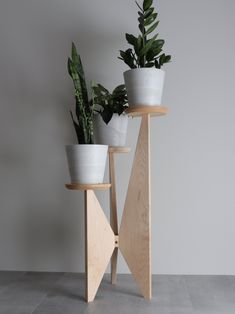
{"type": "Point", "coordinates": [102, 239]}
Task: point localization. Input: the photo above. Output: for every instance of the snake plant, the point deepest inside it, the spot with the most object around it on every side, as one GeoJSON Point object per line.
{"type": "Point", "coordinates": [84, 108]}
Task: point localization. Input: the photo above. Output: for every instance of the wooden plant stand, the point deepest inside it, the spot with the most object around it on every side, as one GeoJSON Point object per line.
{"type": "Point", "coordinates": [103, 239]}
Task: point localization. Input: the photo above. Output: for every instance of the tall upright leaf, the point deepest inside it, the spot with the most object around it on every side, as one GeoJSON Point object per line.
{"type": "Point", "coordinates": [83, 108]}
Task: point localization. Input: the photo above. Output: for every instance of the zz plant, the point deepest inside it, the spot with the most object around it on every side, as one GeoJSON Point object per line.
{"type": "Point", "coordinates": [146, 52]}
{"type": "Point", "coordinates": [84, 108]}
{"type": "Point", "coordinates": [109, 103]}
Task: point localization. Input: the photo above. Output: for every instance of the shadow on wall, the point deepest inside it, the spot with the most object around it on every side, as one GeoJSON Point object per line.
{"type": "Point", "coordinates": [43, 219]}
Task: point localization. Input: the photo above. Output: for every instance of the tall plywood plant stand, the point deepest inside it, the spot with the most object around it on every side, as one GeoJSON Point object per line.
{"type": "Point", "coordinates": [99, 238]}
{"type": "Point", "coordinates": [135, 229]}
{"type": "Point", "coordinates": [134, 237]}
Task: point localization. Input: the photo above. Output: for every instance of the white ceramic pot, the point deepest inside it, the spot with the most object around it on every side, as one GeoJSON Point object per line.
{"type": "Point", "coordinates": [86, 163]}
{"type": "Point", "coordinates": [144, 86]}
{"type": "Point", "coordinates": [113, 133]}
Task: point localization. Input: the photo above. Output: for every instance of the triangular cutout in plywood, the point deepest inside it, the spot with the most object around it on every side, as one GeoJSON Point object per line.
{"type": "Point", "coordinates": [135, 230]}
{"type": "Point", "coordinates": [100, 243]}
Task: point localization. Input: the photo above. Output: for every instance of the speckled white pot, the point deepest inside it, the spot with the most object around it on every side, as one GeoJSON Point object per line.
{"type": "Point", "coordinates": [113, 133]}
{"type": "Point", "coordinates": [86, 163]}
{"type": "Point", "coordinates": [144, 86]}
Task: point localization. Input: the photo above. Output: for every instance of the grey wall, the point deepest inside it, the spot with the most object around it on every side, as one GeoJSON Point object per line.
{"type": "Point", "coordinates": [193, 148]}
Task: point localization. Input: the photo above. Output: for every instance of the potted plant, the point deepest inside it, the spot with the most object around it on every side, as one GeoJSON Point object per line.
{"type": "Point", "coordinates": [86, 160]}
{"type": "Point", "coordinates": [110, 122]}
{"type": "Point", "coordinates": [144, 82]}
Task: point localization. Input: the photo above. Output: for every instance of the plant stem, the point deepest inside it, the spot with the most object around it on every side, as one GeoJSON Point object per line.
{"type": "Point", "coordinates": [136, 59]}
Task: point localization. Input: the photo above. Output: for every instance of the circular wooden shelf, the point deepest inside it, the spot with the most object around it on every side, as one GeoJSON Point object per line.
{"type": "Point", "coordinates": [98, 186]}
{"type": "Point", "coordinates": [119, 149]}
{"type": "Point", "coordinates": [139, 111]}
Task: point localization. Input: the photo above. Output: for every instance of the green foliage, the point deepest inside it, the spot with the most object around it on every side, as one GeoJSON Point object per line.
{"type": "Point", "coordinates": [84, 108]}
{"type": "Point", "coordinates": [109, 103]}
{"type": "Point", "coordinates": [146, 52]}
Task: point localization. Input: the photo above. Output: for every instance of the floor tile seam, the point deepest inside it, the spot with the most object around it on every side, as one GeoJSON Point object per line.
{"type": "Point", "coordinates": [46, 294]}
{"type": "Point", "coordinates": [188, 292]}
{"type": "Point", "coordinates": [13, 282]}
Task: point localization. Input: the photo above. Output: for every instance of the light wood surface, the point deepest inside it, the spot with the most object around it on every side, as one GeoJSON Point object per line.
{"type": "Point", "coordinates": [99, 244]}
{"type": "Point", "coordinates": [99, 186]}
{"type": "Point", "coordinates": [113, 261]}
{"type": "Point", "coordinates": [113, 205]}
{"type": "Point", "coordinates": [135, 233]}
{"type": "Point", "coordinates": [113, 214]}
{"type": "Point", "coordinates": [134, 238]}
{"type": "Point", "coordinates": [119, 149]}
{"type": "Point", "coordinates": [113, 199]}
{"type": "Point", "coordinates": [139, 111]}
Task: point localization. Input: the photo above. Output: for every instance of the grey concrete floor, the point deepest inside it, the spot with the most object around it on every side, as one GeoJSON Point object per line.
{"type": "Point", "coordinates": [59, 293]}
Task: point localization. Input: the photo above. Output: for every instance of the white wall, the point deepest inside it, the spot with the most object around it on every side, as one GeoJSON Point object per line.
{"type": "Point", "coordinates": [193, 148]}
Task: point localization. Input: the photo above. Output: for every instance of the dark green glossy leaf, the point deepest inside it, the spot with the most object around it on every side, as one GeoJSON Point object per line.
{"type": "Point", "coordinates": [150, 19]}
{"type": "Point", "coordinates": [152, 53]}
{"type": "Point", "coordinates": [120, 108]}
{"type": "Point", "coordinates": [139, 42]}
{"type": "Point", "coordinates": [128, 58]}
{"type": "Point", "coordinates": [141, 28]}
{"type": "Point", "coordinates": [131, 39]}
{"type": "Point", "coordinates": [119, 88]}
{"type": "Point", "coordinates": [157, 64]}
{"type": "Point", "coordinates": [146, 48]}
{"type": "Point", "coordinates": [167, 59]}
{"type": "Point", "coordinates": [149, 64]}
{"type": "Point", "coordinates": [161, 59]}
{"type": "Point", "coordinates": [96, 90]}
{"type": "Point", "coordinates": [101, 103]}
{"type": "Point", "coordinates": [158, 43]}
{"type": "Point", "coordinates": [103, 89]}
{"type": "Point", "coordinates": [141, 20]}
{"type": "Point", "coordinates": [138, 45]}
{"type": "Point", "coordinates": [148, 13]}
{"type": "Point", "coordinates": [107, 114]}
{"type": "Point", "coordinates": [156, 48]}
{"type": "Point", "coordinates": [147, 4]}
{"type": "Point", "coordinates": [152, 28]}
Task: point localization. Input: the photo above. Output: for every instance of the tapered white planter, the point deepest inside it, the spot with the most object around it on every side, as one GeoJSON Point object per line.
{"type": "Point", "coordinates": [144, 86]}
{"type": "Point", "coordinates": [113, 133]}
{"type": "Point", "coordinates": [86, 163]}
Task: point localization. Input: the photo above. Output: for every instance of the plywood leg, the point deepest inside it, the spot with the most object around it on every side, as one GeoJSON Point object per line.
{"type": "Point", "coordinates": [135, 233]}
{"type": "Point", "coordinates": [99, 244]}
{"type": "Point", "coordinates": [113, 215]}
